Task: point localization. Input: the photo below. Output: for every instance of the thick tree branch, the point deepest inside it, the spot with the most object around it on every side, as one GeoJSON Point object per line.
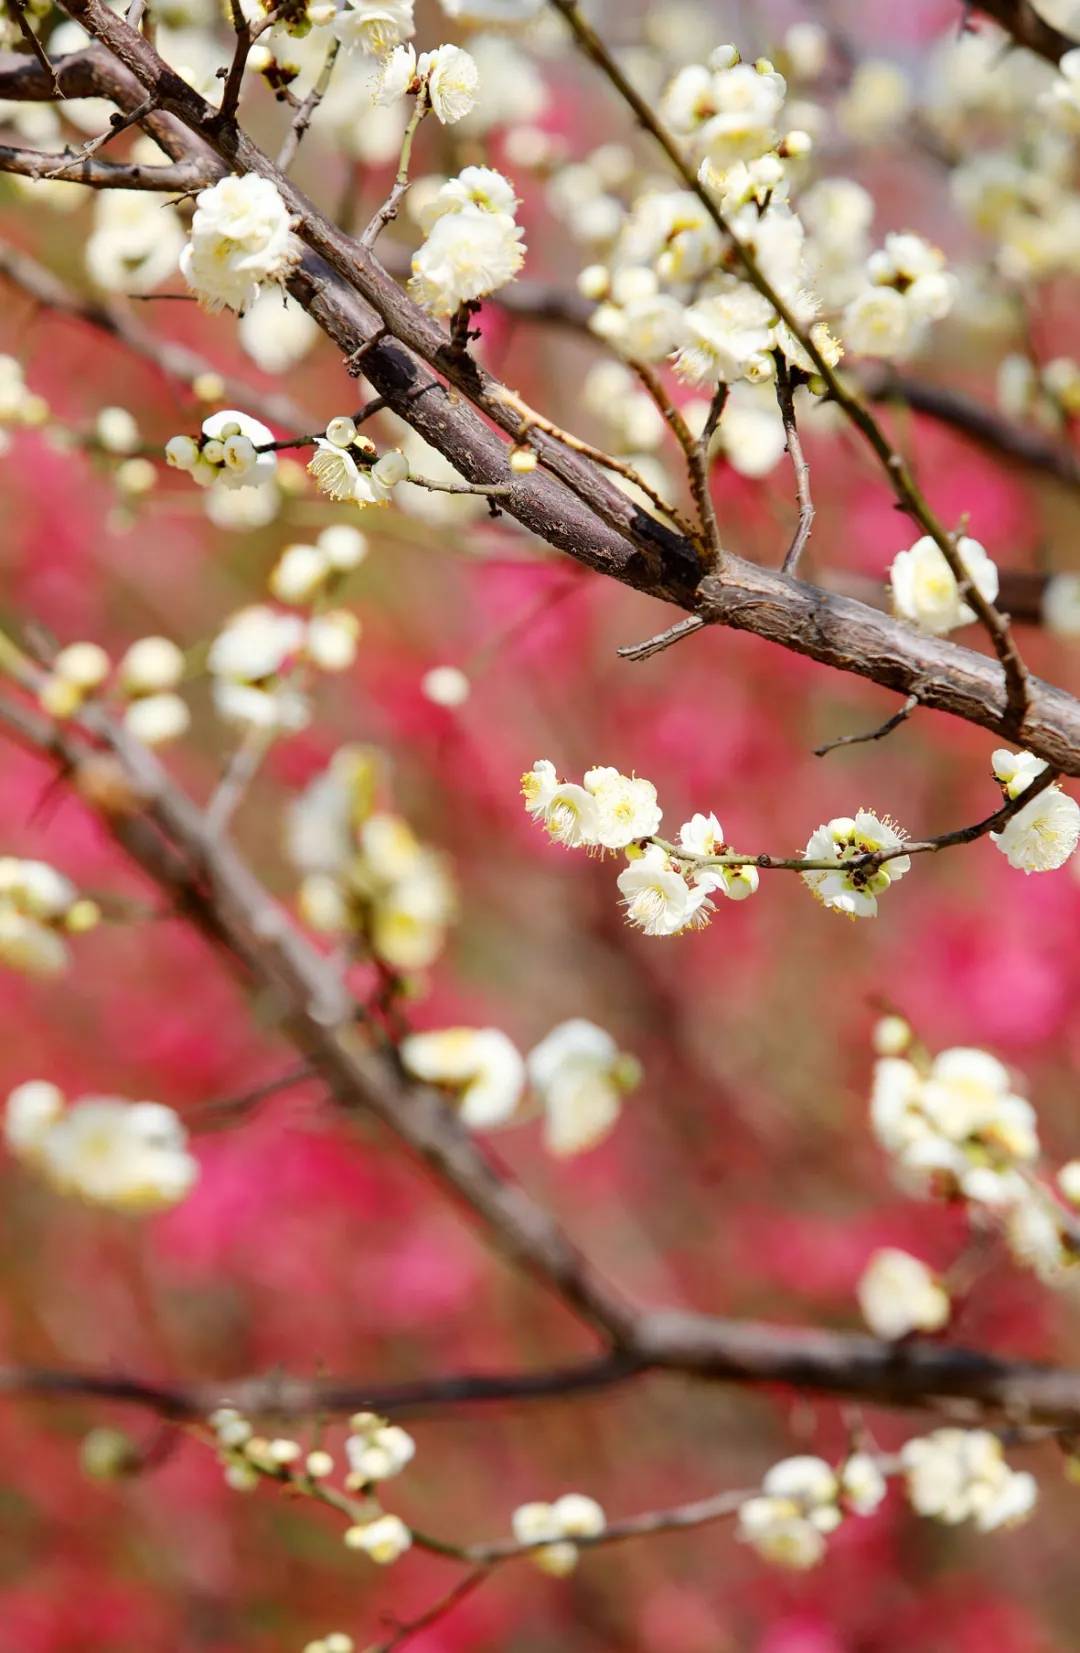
{"type": "Point", "coordinates": [166, 835]}
{"type": "Point", "coordinates": [1027, 27]}
{"type": "Point", "coordinates": [575, 508]}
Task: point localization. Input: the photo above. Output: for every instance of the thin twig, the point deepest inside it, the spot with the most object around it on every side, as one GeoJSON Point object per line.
{"type": "Point", "coordinates": [117, 123]}
{"type": "Point", "coordinates": [209, 1116]}
{"type": "Point", "coordinates": [389, 208]}
{"type": "Point", "coordinates": [662, 640]}
{"type": "Point", "coordinates": [240, 771]}
{"type": "Point", "coordinates": [879, 733]}
{"type": "Point", "coordinates": [445, 1605]}
{"type": "Point", "coordinates": [490, 490]}
{"type": "Point", "coordinates": [785, 396]}
{"type": "Point", "coordinates": [305, 113]}
{"type": "Point", "coordinates": [870, 860]}
{"type": "Point", "coordinates": [19, 8]}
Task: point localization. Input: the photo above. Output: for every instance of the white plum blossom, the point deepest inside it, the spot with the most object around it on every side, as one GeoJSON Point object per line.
{"type": "Point", "coordinates": [247, 660]}
{"type": "Point", "coordinates": [376, 1450]}
{"type": "Point", "coordinates": [854, 889]}
{"type": "Point", "coordinates": [129, 1156]}
{"type": "Point", "coordinates": [798, 1506]}
{"type": "Point", "coordinates": [239, 464]}
{"type": "Point", "coordinates": [878, 322]}
{"type": "Point", "coordinates": [136, 241]}
{"type": "Point", "coordinates": [908, 288]}
{"type": "Point", "coordinates": [802, 1500]}
{"type": "Point", "coordinates": [473, 186]}
{"type": "Point", "coordinates": [550, 1530]}
{"type": "Point", "coordinates": [957, 1127]}
{"type": "Point", "coordinates": [924, 588]}
{"type": "Point", "coordinates": [276, 331]}
{"type": "Point", "coordinates": [32, 1109]}
{"type": "Point", "coordinates": [898, 1294]}
{"type": "Point", "coordinates": [658, 898]}
{"type": "Point", "coordinates": [367, 873]}
{"type": "Point", "coordinates": [373, 26]}
{"type": "Point", "coordinates": [38, 907]}
{"type": "Point", "coordinates": [467, 255]}
{"type": "Point", "coordinates": [727, 337]}
{"type": "Point", "coordinates": [446, 686]}
{"type": "Point", "coordinates": [1016, 770]}
{"type": "Point", "coordinates": [452, 80]}
{"type": "Point", "coordinates": [480, 1065]}
{"type": "Point", "coordinates": [703, 836]}
{"type": "Point", "coordinates": [956, 1475]}
{"type": "Point", "coordinates": [383, 1540]}
{"type": "Point", "coordinates": [241, 240]}
{"type": "Point", "coordinates": [1061, 605]}
{"type": "Point", "coordinates": [580, 1076]}
{"type": "Point", "coordinates": [626, 807]}
{"type": "Point", "coordinates": [1043, 835]}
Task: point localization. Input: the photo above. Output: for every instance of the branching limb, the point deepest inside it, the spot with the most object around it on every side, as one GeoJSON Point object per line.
{"type": "Point", "coordinates": [695, 451]}
{"type": "Point", "coordinates": [841, 392]}
{"type": "Point", "coordinates": [531, 420]}
{"type": "Point", "coordinates": [1028, 27]}
{"type": "Point", "coordinates": [873, 859]}
{"type": "Point", "coordinates": [179, 177]}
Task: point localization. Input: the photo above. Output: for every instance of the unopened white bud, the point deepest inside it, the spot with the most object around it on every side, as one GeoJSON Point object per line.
{"type": "Point", "coordinates": [341, 431]}
{"type": "Point", "coordinates": [150, 665]}
{"type": "Point", "coordinates": [85, 665]}
{"type": "Point", "coordinates": [182, 452]}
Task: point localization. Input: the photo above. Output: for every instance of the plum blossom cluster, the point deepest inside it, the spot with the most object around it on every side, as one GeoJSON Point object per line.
{"type": "Point", "coordinates": [577, 1077]}
{"type": "Point", "coordinates": [241, 240]}
{"type": "Point", "coordinates": [957, 1475]}
{"type": "Point", "coordinates": [130, 1157]}
{"type": "Point", "coordinates": [950, 1475]}
{"type": "Point", "coordinates": [446, 80]}
{"type": "Point", "coordinates": [373, 27]}
{"type": "Point", "coordinates": [255, 661]}
{"type": "Point", "coordinates": [375, 1451]}
{"type": "Point", "coordinates": [473, 243]}
{"type": "Point", "coordinates": [347, 465]}
{"type": "Point", "coordinates": [955, 1128]}
{"type": "Point", "coordinates": [367, 879]}
{"type": "Point", "coordinates": [802, 1500]}
{"type": "Point", "coordinates": [233, 449]}
{"type": "Point", "coordinates": [1015, 181]}
{"type": "Point", "coordinates": [1044, 834]}
{"type": "Point", "coordinates": [851, 885]}
{"type": "Point", "coordinates": [663, 289]}
{"type": "Point", "coordinates": [551, 1530]}
{"type": "Point", "coordinates": [39, 909]}
{"type": "Point", "coordinates": [668, 888]}
{"type": "Point", "coordinates": [146, 678]}
{"type": "Point", "coordinates": [907, 288]}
